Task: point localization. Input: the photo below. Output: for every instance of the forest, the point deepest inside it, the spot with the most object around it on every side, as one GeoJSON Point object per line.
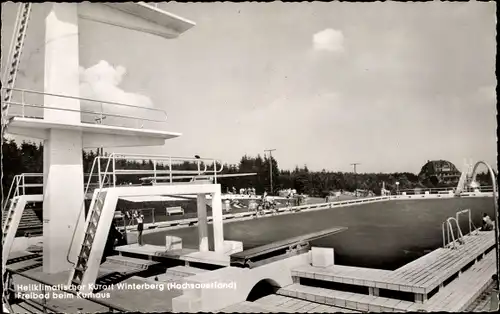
{"type": "Point", "coordinates": [27, 158]}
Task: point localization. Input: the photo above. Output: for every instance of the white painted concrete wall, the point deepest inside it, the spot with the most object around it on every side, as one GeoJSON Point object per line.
{"type": "Point", "coordinates": [245, 279]}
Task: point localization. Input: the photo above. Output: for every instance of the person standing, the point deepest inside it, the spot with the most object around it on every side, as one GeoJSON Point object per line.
{"type": "Point", "coordinates": [140, 227]}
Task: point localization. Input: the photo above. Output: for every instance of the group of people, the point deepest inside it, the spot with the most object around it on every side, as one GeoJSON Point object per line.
{"type": "Point", "coordinates": [243, 191]}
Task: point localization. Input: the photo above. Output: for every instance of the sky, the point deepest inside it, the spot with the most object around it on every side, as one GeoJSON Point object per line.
{"type": "Point", "coordinates": [387, 85]}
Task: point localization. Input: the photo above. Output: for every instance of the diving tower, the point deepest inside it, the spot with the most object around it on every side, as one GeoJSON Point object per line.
{"type": "Point", "coordinates": [55, 115]}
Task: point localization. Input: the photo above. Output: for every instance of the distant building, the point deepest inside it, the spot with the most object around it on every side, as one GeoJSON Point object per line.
{"type": "Point", "coordinates": [439, 172]}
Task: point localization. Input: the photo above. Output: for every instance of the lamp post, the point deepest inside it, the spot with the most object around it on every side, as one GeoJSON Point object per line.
{"type": "Point", "coordinates": [397, 188]}
{"type": "Point", "coordinates": [355, 178]}
{"type": "Point", "coordinates": [270, 166]}
{"type": "Point", "coordinates": [198, 162]}
{"type": "Point", "coordinates": [474, 184]}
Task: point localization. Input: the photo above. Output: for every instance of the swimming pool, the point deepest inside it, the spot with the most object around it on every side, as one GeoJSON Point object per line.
{"type": "Point", "coordinates": [383, 235]}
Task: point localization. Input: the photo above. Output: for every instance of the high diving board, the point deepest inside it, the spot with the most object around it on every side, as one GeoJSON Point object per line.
{"type": "Point", "coordinates": [279, 250]}
{"type": "Point", "coordinates": [139, 16]}
{"type": "Point", "coordinates": [114, 136]}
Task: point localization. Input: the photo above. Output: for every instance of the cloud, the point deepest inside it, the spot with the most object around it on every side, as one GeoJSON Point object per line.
{"type": "Point", "coordinates": [101, 81]}
{"type": "Point", "coordinates": [329, 40]}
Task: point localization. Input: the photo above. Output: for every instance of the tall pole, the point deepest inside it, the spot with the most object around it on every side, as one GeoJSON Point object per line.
{"type": "Point", "coordinates": [270, 166]}
{"type": "Point", "coordinates": [355, 178]}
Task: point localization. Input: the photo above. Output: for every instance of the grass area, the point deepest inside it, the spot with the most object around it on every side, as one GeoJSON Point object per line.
{"type": "Point", "coordinates": [383, 235]}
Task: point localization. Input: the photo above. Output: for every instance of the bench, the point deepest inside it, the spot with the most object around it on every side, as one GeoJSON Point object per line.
{"type": "Point", "coordinates": [175, 210]}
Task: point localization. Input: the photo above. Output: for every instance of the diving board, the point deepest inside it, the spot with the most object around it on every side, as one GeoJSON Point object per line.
{"type": "Point", "coordinates": [280, 249]}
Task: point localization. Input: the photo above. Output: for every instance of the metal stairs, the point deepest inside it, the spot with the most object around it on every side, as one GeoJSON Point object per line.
{"type": "Point", "coordinates": [15, 52]}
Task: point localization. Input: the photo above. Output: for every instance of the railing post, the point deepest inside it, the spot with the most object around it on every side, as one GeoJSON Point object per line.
{"type": "Point", "coordinates": [24, 188]}
{"type": "Point", "coordinates": [44, 299]}
{"type": "Point", "coordinates": [154, 170]}
{"type": "Point", "coordinates": [470, 223]}
{"type": "Point", "coordinates": [22, 102]}
{"type": "Point", "coordinates": [99, 170]}
{"type": "Point", "coordinates": [101, 114]}
{"type": "Point", "coordinates": [153, 215]}
{"type": "Point", "coordinates": [215, 172]}
{"type": "Point", "coordinates": [170, 168]}
{"type": "Point", "coordinates": [17, 186]}
{"type": "Point", "coordinates": [114, 170]}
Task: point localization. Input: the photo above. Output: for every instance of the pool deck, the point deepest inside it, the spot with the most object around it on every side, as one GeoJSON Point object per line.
{"type": "Point", "coordinates": [472, 263]}
{"type": "Point", "coordinates": [443, 280]}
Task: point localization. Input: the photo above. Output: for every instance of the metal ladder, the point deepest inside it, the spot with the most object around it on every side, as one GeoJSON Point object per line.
{"type": "Point", "coordinates": [449, 240]}
{"type": "Point", "coordinates": [85, 261]}
{"type": "Point", "coordinates": [15, 52]}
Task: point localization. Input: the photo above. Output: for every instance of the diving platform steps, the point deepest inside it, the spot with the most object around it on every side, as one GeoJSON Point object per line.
{"type": "Point", "coordinates": [421, 277]}
{"type": "Point", "coordinates": [29, 220]}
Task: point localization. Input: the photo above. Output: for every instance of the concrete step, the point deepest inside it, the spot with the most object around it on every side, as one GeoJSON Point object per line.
{"type": "Point", "coordinates": [352, 301]}
{"type": "Point", "coordinates": [185, 271]}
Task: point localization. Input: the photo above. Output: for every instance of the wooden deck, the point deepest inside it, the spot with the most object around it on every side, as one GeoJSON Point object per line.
{"type": "Point", "coordinates": [348, 300]}
{"type": "Point", "coordinates": [420, 276]}
{"type": "Point", "coordinates": [461, 293]}
{"type": "Point", "coordinates": [293, 305]}
{"type": "Point", "coordinates": [252, 307]}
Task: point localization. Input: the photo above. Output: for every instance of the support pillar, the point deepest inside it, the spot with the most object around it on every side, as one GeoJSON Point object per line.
{"type": "Point", "coordinates": [217, 222]}
{"type": "Point", "coordinates": [373, 291]}
{"type": "Point", "coordinates": [202, 223]}
{"type": "Point", "coordinates": [420, 297]}
{"type": "Point", "coordinates": [63, 165]}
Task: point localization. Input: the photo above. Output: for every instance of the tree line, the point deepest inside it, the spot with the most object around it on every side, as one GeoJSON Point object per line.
{"type": "Point", "coordinates": [28, 158]}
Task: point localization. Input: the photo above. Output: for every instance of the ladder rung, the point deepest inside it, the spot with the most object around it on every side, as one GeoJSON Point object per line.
{"type": "Point", "coordinates": [80, 269]}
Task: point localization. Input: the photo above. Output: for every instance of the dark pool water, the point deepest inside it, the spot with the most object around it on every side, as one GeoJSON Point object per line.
{"type": "Point", "coordinates": [383, 235]}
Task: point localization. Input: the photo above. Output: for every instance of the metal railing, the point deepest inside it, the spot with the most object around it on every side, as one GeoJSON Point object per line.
{"type": "Point", "coordinates": [99, 115]}
{"type": "Point", "coordinates": [44, 284]}
{"type": "Point", "coordinates": [206, 166]}
{"type": "Point", "coordinates": [472, 227]}
{"type": "Point", "coordinates": [18, 186]}
{"type": "Point", "coordinates": [447, 228]}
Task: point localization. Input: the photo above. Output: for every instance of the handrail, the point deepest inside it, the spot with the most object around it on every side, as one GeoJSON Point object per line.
{"type": "Point", "coordinates": [19, 185]}
{"type": "Point", "coordinates": [466, 211]}
{"type": "Point", "coordinates": [99, 190]}
{"type": "Point", "coordinates": [86, 99]}
{"type": "Point", "coordinates": [11, 45]}
{"type": "Point", "coordinates": [110, 306]}
{"type": "Point", "coordinates": [101, 103]}
{"type": "Point", "coordinates": [12, 103]}
{"type": "Point", "coordinates": [207, 162]}
{"type": "Point", "coordinates": [82, 208]}
{"type": "Point", "coordinates": [450, 232]}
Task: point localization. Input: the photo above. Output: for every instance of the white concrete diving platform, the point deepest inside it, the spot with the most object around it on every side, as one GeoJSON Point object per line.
{"type": "Point", "coordinates": [93, 135]}
{"type": "Point", "coordinates": [139, 16]}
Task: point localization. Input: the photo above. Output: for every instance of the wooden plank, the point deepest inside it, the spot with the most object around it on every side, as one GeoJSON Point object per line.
{"type": "Point", "coordinates": [460, 292]}
{"type": "Point", "coordinates": [448, 258]}
{"type": "Point", "coordinates": [348, 300]}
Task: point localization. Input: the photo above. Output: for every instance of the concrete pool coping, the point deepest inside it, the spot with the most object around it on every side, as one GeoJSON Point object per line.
{"type": "Point", "coordinates": [243, 216]}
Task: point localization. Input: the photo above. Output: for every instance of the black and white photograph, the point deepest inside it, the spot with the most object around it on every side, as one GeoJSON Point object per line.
{"type": "Point", "coordinates": [249, 157]}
